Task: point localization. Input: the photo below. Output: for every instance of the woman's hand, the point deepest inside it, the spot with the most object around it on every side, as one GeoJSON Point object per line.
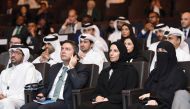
{"type": "Point", "coordinates": [152, 103]}
{"type": "Point", "coordinates": [99, 99]}
{"type": "Point", "coordinates": [144, 96]}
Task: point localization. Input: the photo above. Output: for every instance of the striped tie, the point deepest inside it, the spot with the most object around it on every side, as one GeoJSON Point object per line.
{"type": "Point", "coordinates": [59, 83]}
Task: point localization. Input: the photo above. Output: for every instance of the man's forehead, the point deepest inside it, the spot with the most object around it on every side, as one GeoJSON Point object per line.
{"type": "Point", "coordinates": [186, 15]}
{"type": "Point", "coordinates": [66, 45]}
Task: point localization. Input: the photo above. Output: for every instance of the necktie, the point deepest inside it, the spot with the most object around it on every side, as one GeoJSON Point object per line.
{"type": "Point", "coordinates": [17, 30]}
{"type": "Point", "coordinates": [59, 83]}
{"type": "Point", "coordinates": [185, 33]}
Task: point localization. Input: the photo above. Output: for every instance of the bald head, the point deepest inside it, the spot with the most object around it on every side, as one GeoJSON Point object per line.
{"type": "Point", "coordinates": [185, 20]}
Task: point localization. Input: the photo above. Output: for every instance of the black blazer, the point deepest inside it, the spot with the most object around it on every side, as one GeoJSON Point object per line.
{"type": "Point", "coordinates": [77, 78]}
{"type": "Point", "coordinates": [23, 33]}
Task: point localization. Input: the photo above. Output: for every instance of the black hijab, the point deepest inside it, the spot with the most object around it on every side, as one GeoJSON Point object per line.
{"type": "Point", "coordinates": [165, 61]}
{"type": "Point", "coordinates": [135, 53]}
{"type": "Point", "coordinates": [166, 78]}
{"type": "Point", "coordinates": [122, 56]}
{"type": "Point", "coordinates": [130, 29]}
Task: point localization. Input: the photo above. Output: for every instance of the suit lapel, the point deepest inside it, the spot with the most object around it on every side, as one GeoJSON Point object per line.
{"type": "Point", "coordinates": [56, 71]}
{"type": "Point", "coordinates": [67, 82]}
{"type": "Point", "coordinates": [188, 34]}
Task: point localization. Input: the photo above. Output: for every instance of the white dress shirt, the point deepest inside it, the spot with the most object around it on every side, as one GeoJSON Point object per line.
{"type": "Point", "coordinates": [55, 82]}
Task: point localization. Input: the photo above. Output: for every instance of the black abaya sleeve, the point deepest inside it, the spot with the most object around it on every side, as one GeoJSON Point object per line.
{"type": "Point", "coordinates": [164, 95]}
{"type": "Point", "coordinates": [100, 89]}
{"type": "Point", "coordinates": [131, 81]}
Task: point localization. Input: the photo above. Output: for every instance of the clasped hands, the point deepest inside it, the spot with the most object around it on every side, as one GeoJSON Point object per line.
{"type": "Point", "coordinates": [150, 102]}
{"type": "Point", "coordinates": [100, 99]}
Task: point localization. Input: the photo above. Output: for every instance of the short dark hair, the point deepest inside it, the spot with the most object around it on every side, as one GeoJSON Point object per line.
{"type": "Point", "coordinates": [151, 12]}
{"type": "Point", "coordinates": [18, 37]}
{"type": "Point", "coordinates": [74, 45]}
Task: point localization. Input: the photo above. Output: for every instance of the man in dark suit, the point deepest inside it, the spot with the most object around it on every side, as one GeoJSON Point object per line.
{"type": "Point", "coordinates": [19, 29]}
{"type": "Point", "coordinates": [185, 24]}
{"type": "Point", "coordinates": [73, 75]}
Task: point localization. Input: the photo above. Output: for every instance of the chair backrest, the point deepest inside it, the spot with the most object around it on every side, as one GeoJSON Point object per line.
{"type": "Point", "coordinates": [142, 44]}
{"type": "Point", "coordinates": [94, 72]}
{"type": "Point", "coordinates": [143, 72]}
{"type": "Point", "coordinates": [148, 54]}
{"type": "Point", "coordinates": [43, 69]}
{"type": "Point", "coordinates": [186, 67]}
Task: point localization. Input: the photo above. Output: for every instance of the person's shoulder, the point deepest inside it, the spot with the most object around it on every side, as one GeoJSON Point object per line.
{"type": "Point", "coordinates": [56, 66]}
{"type": "Point", "coordinates": [95, 53]}
{"type": "Point", "coordinates": [27, 64]}
{"type": "Point", "coordinates": [5, 71]}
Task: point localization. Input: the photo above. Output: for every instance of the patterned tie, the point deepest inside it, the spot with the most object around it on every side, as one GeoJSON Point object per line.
{"type": "Point", "coordinates": [59, 83]}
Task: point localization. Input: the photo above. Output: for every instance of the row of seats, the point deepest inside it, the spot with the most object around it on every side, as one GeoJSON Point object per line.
{"type": "Point", "coordinates": [81, 95]}
{"type": "Point", "coordinates": [129, 97]}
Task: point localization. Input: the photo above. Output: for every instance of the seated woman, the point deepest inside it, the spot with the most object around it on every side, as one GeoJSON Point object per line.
{"type": "Point", "coordinates": [133, 50]}
{"type": "Point", "coordinates": [112, 80]}
{"type": "Point", "coordinates": [164, 80]}
{"type": "Point", "coordinates": [126, 31]}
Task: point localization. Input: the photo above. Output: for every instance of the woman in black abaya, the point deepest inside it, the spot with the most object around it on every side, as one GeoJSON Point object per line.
{"type": "Point", "coordinates": [112, 80]}
{"type": "Point", "coordinates": [163, 81]}
{"type": "Point", "coordinates": [134, 54]}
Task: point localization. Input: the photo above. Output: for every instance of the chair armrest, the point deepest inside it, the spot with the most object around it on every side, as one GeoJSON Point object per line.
{"type": "Point", "coordinates": [81, 95]}
{"type": "Point", "coordinates": [30, 95]}
{"type": "Point", "coordinates": [31, 90]}
{"type": "Point", "coordinates": [131, 96]}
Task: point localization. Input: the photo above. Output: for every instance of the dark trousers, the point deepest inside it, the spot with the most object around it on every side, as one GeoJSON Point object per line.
{"type": "Point", "coordinates": [34, 105]}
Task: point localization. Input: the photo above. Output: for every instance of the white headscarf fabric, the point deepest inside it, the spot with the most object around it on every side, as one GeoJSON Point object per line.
{"type": "Point", "coordinates": [54, 41]}
{"type": "Point", "coordinates": [23, 49]}
{"type": "Point", "coordinates": [102, 44]}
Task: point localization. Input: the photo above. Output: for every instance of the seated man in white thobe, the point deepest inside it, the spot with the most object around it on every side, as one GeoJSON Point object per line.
{"type": "Point", "coordinates": [14, 79]}
{"type": "Point", "coordinates": [87, 54]}
{"type": "Point", "coordinates": [176, 37]}
{"type": "Point", "coordinates": [52, 48]}
{"type": "Point", "coordinates": [100, 44]}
